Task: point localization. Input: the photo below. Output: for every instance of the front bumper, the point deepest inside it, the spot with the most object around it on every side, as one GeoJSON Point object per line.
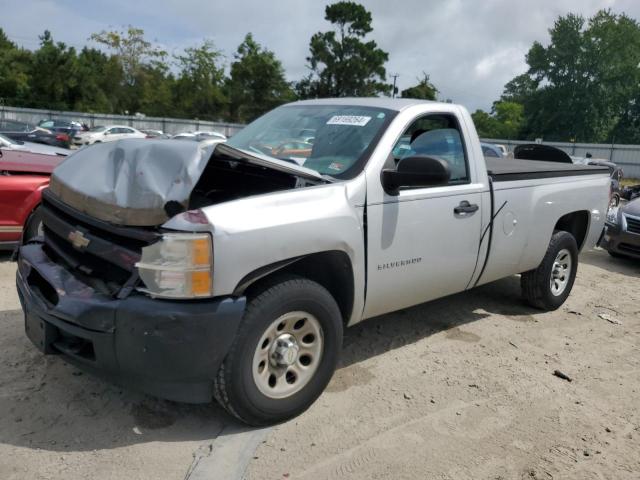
{"type": "Point", "coordinates": [617, 240]}
{"type": "Point", "coordinates": [170, 349]}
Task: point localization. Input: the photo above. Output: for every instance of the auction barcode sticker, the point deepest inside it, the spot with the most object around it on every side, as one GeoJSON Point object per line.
{"type": "Point", "coordinates": [355, 120]}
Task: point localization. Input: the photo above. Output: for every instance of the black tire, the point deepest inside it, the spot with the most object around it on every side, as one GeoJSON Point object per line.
{"type": "Point", "coordinates": [234, 385]}
{"type": "Point", "coordinates": [33, 226]}
{"type": "Point", "coordinates": [536, 287]}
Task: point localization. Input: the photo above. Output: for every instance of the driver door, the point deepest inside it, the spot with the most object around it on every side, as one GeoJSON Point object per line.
{"type": "Point", "coordinates": [420, 246]}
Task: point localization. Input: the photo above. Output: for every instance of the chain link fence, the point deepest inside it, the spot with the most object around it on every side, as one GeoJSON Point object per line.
{"type": "Point", "coordinates": [171, 126]}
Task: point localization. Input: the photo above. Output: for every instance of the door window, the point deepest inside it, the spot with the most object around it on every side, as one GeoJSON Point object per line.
{"type": "Point", "coordinates": [436, 136]}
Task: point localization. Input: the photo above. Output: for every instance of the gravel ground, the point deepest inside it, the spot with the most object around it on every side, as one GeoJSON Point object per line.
{"type": "Point", "coordinates": [460, 388]}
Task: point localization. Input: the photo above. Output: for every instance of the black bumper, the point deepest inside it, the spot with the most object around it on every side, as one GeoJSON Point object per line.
{"type": "Point", "coordinates": [170, 349]}
{"type": "Point", "coordinates": [619, 241]}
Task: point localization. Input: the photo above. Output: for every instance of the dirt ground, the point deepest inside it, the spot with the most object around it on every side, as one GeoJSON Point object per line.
{"type": "Point", "coordinates": [59, 423]}
{"type": "Point", "coordinates": [460, 388]}
{"type": "Point", "coordinates": [463, 388]}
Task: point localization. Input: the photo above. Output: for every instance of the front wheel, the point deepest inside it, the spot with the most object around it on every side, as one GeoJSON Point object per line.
{"type": "Point", "coordinates": [549, 285]}
{"type": "Point", "coordinates": [284, 353]}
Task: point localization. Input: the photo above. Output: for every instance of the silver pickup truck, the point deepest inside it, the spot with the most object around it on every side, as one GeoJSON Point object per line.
{"type": "Point", "coordinates": [230, 271]}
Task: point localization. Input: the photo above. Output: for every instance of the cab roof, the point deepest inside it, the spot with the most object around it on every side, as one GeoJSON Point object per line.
{"type": "Point", "coordinates": [397, 104]}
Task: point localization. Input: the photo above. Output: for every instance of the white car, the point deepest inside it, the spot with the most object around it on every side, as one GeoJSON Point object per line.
{"type": "Point", "coordinates": [199, 135]}
{"type": "Point", "coordinates": [106, 134]}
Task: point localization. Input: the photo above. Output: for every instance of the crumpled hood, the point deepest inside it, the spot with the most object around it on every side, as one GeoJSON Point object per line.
{"type": "Point", "coordinates": [128, 182]}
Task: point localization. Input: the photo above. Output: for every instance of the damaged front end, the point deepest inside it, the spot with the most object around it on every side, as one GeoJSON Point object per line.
{"type": "Point", "coordinates": [112, 289]}
{"type": "Point", "coordinates": [104, 212]}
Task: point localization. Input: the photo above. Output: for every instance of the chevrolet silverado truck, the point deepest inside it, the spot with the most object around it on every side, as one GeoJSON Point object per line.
{"type": "Point", "coordinates": [230, 272]}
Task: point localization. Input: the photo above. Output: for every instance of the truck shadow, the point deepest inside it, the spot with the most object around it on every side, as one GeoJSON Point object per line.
{"type": "Point", "coordinates": [395, 330]}
{"type": "Point", "coordinates": [50, 405]}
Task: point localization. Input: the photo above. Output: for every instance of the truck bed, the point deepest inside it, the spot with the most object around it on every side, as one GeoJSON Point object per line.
{"type": "Point", "coordinates": [505, 169]}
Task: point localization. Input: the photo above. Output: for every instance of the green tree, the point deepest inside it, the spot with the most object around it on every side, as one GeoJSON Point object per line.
{"type": "Point", "coordinates": [96, 82]}
{"type": "Point", "coordinates": [341, 62]}
{"type": "Point", "coordinates": [199, 86]}
{"type": "Point", "coordinates": [584, 84]}
{"type": "Point", "coordinates": [49, 80]}
{"type": "Point", "coordinates": [131, 49]}
{"type": "Point", "coordinates": [256, 83]}
{"type": "Point", "coordinates": [424, 90]}
{"type": "Point", "coordinates": [15, 67]}
{"type": "Point", "coordinates": [139, 60]}
{"type": "Point", "coordinates": [505, 121]}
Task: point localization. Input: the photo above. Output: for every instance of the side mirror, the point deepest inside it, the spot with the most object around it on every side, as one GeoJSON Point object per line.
{"type": "Point", "coordinates": [106, 133]}
{"type": "Point", "coordinates": [416, 171]}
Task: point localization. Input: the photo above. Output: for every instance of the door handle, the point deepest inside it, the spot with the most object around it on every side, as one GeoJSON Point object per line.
{"type": "Point", "coordinates": [465, 208]}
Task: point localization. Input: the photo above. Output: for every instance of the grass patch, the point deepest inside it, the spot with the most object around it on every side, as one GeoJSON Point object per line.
{"type": "Point", "coordinates": [627, 182]}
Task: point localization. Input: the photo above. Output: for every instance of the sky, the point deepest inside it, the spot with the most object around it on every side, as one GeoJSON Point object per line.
{"type": "Point", "coordinates": [469, 48]}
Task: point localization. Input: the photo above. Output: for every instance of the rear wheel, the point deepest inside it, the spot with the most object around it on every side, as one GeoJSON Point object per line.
{"type": "Point", "coordinates": [549, 285]}
{"type": "Point", "coordinates": [284, 354]}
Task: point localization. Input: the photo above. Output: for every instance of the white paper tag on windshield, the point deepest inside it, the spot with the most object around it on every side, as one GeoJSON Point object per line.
{"type": "Point", "coordinates": [355, 120]}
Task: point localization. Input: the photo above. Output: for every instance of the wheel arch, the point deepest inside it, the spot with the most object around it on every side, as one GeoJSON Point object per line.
{"type": "Point", "coordinates": [577, 224]}
{"type": "Point", "coordinates": [332, 269]}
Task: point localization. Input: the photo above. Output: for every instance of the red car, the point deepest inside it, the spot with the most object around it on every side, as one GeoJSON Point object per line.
{"type": "Point", "coordinates": [23, 176]}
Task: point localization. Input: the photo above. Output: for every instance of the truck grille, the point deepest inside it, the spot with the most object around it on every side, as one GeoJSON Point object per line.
{"type": "Point", "coordinates": [101, 254]}
{"type": "Point", "coordinates": [633, 224]}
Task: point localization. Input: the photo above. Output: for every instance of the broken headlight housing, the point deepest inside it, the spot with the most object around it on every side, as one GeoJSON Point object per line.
{"type": "Point", "coordinates": [180, 265]}
{"type": "Point", "coordinates": [612, 215]}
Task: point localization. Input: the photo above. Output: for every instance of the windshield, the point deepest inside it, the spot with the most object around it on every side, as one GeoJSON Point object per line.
{"type": "Point", "coordinates": [7, 141]}
{"type": "Point", "coordinates": [97, 129]}
{"type": "Point", "coordinates": [332, 140]}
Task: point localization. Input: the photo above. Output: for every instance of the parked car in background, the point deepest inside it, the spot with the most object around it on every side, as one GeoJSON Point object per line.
{"type": "Point", "coordinates": [490, 150]}
{"type": "Point", "coordinates": [622, 230]}
{"type": "Point", "coordinates": [155, 134]}
{"type": "Point", "coordinates": [109, 133]}
{"type": "Point", "coordinates": [25, 132]}
{"type": "Point", "coordinates": [23, 176]}
{"type": "Point", "coordinates": [14, 126]}
{"type": "Point", "coordinates": [630, 193]}
{"type": "Point", "coordinates": [199, 135]}
{"type": "Point", "coordinates": [67, 127]}
{"type": "Point", "coordinates": [502, 148]}
{"type": "Point", "coordinates": [536, 151]}
{"type": "Point", "coordinates": [10, 144]}
{"type": "Point", "coordinates": [616, 173]}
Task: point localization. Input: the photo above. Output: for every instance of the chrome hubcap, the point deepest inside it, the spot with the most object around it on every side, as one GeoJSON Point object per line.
{"type": "Point", "coordinates": [287, 355]}
{"type": "Point", "coordinates": [560, 272]}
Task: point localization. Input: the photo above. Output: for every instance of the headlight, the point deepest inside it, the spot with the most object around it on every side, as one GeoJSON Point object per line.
{"type": "Point", "coordinates": [612, 216]}
{"type": "Point", "coordinates": [180, 265]}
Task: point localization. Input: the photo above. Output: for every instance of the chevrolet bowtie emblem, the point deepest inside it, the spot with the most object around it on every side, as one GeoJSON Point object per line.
{"type": "Point", "coordinates": [78, 240]}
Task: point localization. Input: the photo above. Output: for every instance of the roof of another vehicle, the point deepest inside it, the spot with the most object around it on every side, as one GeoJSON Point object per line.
{"type": "Point", "coordinates": [22, 161]}
{"type": "Point", "coordinates": [375, 102]}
